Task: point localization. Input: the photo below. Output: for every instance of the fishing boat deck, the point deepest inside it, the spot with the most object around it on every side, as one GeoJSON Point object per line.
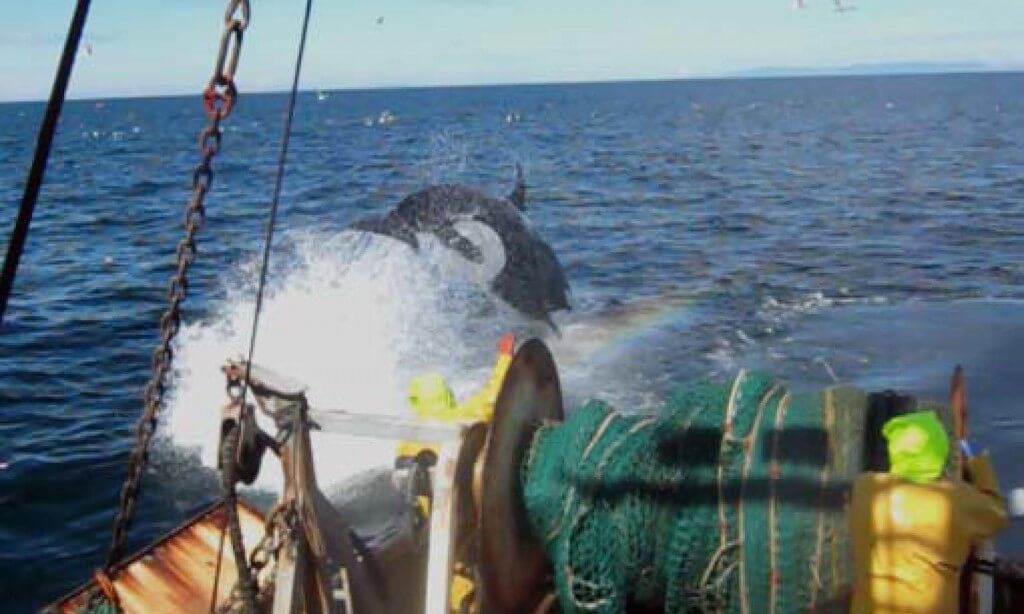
{"type": "Point", "coordinates": [180, 568]}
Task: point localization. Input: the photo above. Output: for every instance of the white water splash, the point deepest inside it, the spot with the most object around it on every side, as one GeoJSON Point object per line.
{"type": "Point", "coordinates": [352, 316]}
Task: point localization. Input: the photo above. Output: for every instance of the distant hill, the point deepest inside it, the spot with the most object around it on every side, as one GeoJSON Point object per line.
{"type": "Point", "coordinates": [889, 68]}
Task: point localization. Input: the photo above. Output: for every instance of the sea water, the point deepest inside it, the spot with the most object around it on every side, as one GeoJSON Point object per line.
{"type": "Point", "coordinates": [860, 230]}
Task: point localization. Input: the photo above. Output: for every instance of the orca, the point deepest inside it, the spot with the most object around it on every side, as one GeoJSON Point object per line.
{"type": "Point", "coordinates": [491, 233]}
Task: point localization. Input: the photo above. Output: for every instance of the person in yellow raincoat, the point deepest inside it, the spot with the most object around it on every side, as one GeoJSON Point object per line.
{"type": "Point", "coordinates": [431, 399]}
{"type": "Point", "coordinates": [911, 530]}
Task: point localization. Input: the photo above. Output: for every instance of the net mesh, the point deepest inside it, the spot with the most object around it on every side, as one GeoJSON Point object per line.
{"type": "Point", "coordinates": [731, 498]}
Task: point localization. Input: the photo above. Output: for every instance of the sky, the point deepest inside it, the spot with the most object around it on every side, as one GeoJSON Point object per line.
{"type": "Point", "coordinates": [160, 47]}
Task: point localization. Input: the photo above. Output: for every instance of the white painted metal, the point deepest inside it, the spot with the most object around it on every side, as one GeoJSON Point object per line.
{"type": "Point", "coordinates": [288, 581]}
{"type": "Point", "coordinates": [448, 436]}
{"type": "Point", "coordinates": [391, 428]}
{"type": "Point", "coordinates": [442, 534]}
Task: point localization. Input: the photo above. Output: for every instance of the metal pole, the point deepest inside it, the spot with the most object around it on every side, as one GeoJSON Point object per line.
{"type": "Point", "coordinates": [19, 234]}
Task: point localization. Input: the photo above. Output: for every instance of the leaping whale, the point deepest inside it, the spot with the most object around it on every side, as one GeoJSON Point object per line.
{"type": "Point", "coordinates": [492, 234]}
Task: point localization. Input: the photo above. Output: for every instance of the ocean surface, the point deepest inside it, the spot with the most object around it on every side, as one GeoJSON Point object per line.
{"type": "Point", "coordinates": [861, 230]}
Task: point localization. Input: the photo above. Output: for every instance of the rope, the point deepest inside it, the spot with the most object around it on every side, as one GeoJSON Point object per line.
{"type": "Point", "coordinates": [245, 579]}
{"type": "Point", "coordinates": [278, 180]}
{"type": "Point", "coordinates": [19, 234]}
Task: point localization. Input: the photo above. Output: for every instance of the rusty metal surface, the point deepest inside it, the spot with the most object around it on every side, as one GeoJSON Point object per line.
{"type": "Point", "coordinates": [177, 573]}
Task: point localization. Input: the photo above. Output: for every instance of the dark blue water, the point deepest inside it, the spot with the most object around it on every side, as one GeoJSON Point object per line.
{"type": "Point", "coordinates": [873, 225]}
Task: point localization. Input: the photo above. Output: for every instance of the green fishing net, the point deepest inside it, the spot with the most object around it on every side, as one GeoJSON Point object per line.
{"type": "Point", "coordinates": [731, 498]}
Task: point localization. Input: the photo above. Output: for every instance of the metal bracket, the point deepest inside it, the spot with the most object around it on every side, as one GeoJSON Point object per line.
{"type": "Point", "coordinates": [264, 382]}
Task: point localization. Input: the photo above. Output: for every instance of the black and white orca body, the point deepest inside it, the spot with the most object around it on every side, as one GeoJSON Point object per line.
{"type": "Point", "coordinates": [490, 236]}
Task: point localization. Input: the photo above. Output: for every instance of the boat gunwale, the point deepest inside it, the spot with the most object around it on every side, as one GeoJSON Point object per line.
{"type": "Point", "coordinates": [204, 512]}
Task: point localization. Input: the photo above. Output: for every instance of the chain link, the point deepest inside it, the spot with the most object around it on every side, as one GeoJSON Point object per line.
{"type": "Point", "coordinates": [278, 523]}
{"type": "Point", "coordinates": [219, 98]}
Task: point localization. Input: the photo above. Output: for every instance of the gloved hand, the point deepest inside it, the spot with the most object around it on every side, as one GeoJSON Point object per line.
{"type": "Point", "coordinates": [966, 448]}
{"type": "Point", "coordinates": [507, 344]}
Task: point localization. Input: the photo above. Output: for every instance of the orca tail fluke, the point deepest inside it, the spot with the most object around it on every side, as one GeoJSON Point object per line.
{"type": "Point", "coordinates": [518, 195]}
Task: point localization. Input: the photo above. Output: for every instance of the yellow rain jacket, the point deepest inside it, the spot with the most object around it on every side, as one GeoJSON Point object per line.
{"type": "Point", "coordinates": [910, 539]}
{"type": "Point", "coordinates": [480, 406]}
{"type": "Point", "coordinates": [431, 399]}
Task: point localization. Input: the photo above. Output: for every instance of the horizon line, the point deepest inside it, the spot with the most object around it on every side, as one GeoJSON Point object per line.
{"type": "Point", "coordinates": [776, 73]}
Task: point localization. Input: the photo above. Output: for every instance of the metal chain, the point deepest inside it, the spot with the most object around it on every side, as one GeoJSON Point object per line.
{"type": "Point", "coordinates": [219, 99]}
{"type": "Point", "coordinates": [247, 592]}
{"type": "Point", "coordinates": [279, 522]}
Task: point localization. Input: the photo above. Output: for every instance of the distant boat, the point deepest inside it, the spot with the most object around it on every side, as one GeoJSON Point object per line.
{"type": "Point", "coordinates": [322, 95]}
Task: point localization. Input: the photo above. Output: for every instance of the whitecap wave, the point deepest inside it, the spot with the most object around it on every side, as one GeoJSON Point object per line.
{"type": "Point", "coordinates": [352, 316]}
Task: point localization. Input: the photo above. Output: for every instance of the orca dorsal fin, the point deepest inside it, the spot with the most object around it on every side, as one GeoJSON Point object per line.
{"type": "Point", "coordinates": [518, 195]}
